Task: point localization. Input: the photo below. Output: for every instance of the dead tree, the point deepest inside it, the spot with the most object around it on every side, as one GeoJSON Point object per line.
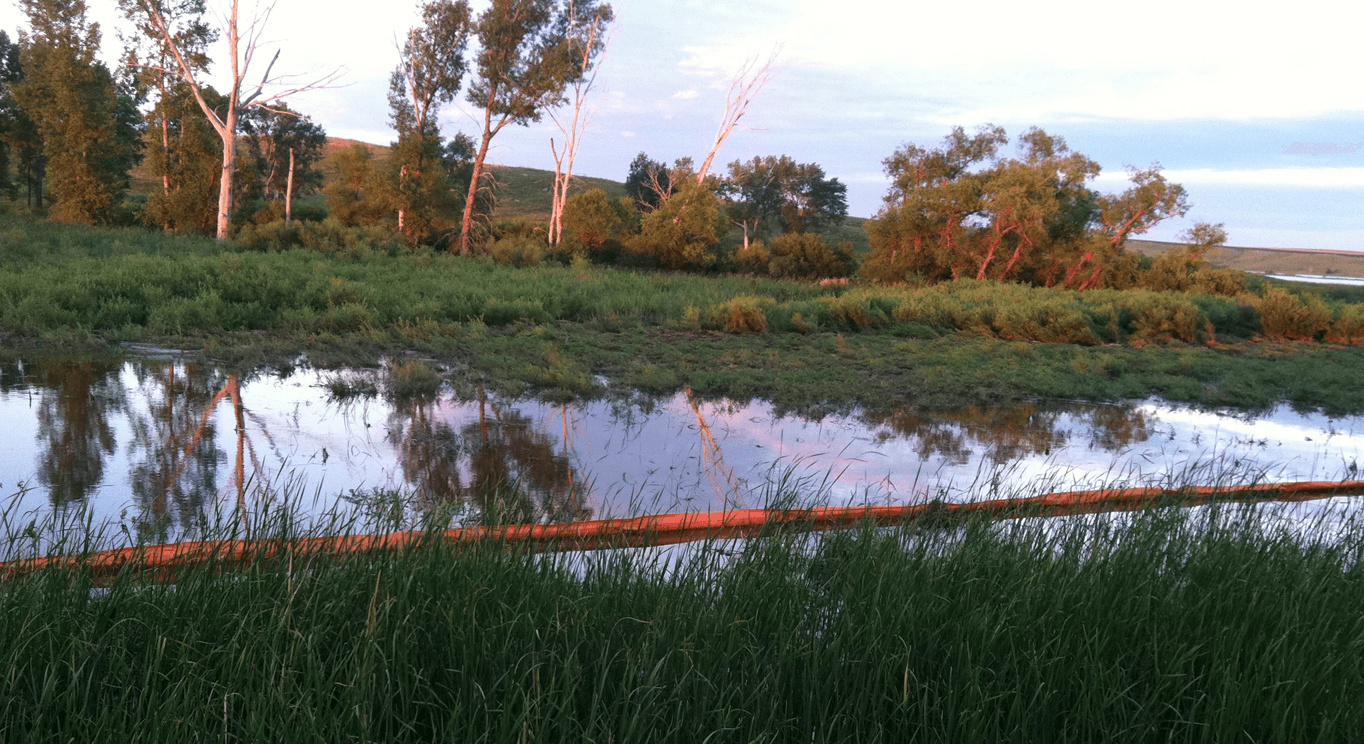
{"type": "Point", "coordinates": [242, 50]}
{"type": "Point", "coordinates": [587, 45]}
{"type": "Point", "coordinates": [745, 87]}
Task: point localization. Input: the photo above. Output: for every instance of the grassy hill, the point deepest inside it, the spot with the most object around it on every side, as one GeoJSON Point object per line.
{"type": "Point", "coordinates": [1270, 260]}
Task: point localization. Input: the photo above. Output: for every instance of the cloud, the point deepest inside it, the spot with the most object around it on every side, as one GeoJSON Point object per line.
{"type": "Point", "coordinates": [685, 95]}
{"type": "Point", "coordinates": [1317, 178]}
{"type": "Point", "coordinates": [627, 134]}
{"type": "Point", "coordinates": [1322, 148]}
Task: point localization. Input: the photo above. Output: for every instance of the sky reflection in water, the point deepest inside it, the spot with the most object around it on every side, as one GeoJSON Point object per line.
{"type": "Point", "coordinates": [120, 439]}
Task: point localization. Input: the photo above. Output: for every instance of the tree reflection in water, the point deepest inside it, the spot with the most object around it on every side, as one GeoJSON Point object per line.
{"type": "Point", "coordinates": [73, 425]}
{"type": "Point", "coordinates": [174, 473]}
{"type": "Point", "coordinates": [502, 465]}
{"type": "Point", "coordinates": [1007, 434]}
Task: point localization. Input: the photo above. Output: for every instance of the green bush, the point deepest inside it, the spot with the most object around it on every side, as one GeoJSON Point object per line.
{"type": "Point", "coordinates": [518, 250]}
{"type": "Point", "coordinates": [807, 256]}
{"type": "Point", "coordinates": [1284, 315]}
{"type": "Point", "coordinates": [741, 315]}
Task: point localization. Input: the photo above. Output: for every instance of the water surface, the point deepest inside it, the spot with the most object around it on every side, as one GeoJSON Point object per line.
{"type": "Point", "coordinates": [162, 446]}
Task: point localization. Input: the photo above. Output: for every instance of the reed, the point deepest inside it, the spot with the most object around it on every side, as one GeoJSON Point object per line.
{"type": "Point", "coordinates": [1209, 625]}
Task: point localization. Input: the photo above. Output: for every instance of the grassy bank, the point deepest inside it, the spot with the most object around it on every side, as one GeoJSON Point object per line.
{"type": "Point", "coordinates": [554, 329]}
{"type": "Point", "coordinates": [1168, 628]}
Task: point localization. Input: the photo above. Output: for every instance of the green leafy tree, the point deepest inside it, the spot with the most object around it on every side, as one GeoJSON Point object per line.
{"type": "Point", "coordinates": [592, 221]}
{"type": "Point", "coordinates": [89, 142]}
{"type": "Point", "coordinates": [767, 194]}
{"type": "Point", "coordinates": [525, 62]}
{"type": "Point", "coordinates": [362, 194]}
{"type": "Point", "coordinates": [965, 210]}
{"type": "Point", "coordinates": [21, 147]}
{"type": "Point", "coordinates": [429, 76]}
{"type": "Point", "coordinates": [648, 182]}
{"type": "Point", "coordinates": [684, 231]}
{"type": "Point", "coordinates": [283, 149]}
{"type": "Point", "coordinates": [149, 54]}
{"type": "Point", "coordinates": [187, 154]}
{"type": "Point", "coordinates": [241, 50]}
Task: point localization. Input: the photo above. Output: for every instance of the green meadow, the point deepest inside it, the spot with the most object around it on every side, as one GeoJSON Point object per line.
{"type": "Point", "coordinates": [560, 330]}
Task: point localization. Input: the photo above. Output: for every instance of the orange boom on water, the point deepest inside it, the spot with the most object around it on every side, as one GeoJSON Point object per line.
{"type": "Point", "coordinates": [162, 562]}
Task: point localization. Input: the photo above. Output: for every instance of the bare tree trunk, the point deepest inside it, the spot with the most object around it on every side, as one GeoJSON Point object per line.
{"type": "Point", "coordinates": [466, 224]}
{"type": "Point", "coordinates": [165, 148]}
{"type": "Point", "coordinates": [556, 208]}
{"type": "Point", "coordinates": [289, 191]}
{"type": "Point", "coordinates": [225, 185]}
{"type": "Point", "coordinates": [402, 210]}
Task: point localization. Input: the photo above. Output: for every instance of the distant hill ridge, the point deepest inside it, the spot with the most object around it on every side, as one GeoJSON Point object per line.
{"type": "Point", "coordinates": [1270, 260]}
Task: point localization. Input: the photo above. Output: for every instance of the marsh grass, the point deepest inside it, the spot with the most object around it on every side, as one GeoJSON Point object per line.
{"type": "Point", "coordinates": [962, 343]}
{"type": "Point", "coordinates": [1219, 624]}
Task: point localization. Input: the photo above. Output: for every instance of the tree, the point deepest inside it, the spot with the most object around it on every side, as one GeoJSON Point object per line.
{"type": "Point", "coordinates": [241, 52]}
{"type": "Point", "coordinates": [284, 148]}
{"type": "Point", "coordinates": [587, 24]}
{"type": "Point", "coordinates": [777, 191]}
{"type": "Point", "coordinates": [360, 195]}
{"type": "Point", "coordinates": [592, 220]}
{"type": "Point", "coordinates": [187, 154]}
{"type": "Point", "coordinates": [21, 147]}
{"type": "Point", "coordinates": [683, 232]}
{"type": "Point", "coordinates": [648, 182]}
{"type": "Point", "coordinates": [524, 64]}
{"type": "Point", "coordinates": [428, 76]}
{"type": "Point", "coordinates": [964, 210]}
{"type": "Point", "coordinates": [748, 81]}
{"type": "Point", "coordinates": [192, 36]}
{"type": "Point", "coordinates": [89, 143]}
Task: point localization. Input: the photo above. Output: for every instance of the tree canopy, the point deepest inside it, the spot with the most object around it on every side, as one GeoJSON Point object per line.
{"type": "Point", "coordinates": [966, 210]}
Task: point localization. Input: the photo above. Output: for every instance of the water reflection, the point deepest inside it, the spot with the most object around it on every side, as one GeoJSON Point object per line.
{"type": "Point", "coordinates": [515, 472]}
{"type": "Point", "coordinates": [166, 447]}
{"type": "Point", "coordinates": [174, 470]}
{"type": "Point", "coordinates": [1007, 434]}
{"type": "Point", "coordinates": [74, 423]}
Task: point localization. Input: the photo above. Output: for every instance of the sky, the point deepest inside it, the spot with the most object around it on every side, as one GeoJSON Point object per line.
{"type": "Point", "coordinates": [1257, 114]}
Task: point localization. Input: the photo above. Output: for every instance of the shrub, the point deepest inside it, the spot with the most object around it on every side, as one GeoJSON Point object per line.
{"type": "Point", "coordinates": [518, 250]}
{"type": "Point", "coordinates": [807, 256]}
{"type": "Point", "coordinates": [1052, 320]}
{"type": "Point", "coordinates": [1283, 315]}
{"type": "Point", "coordinates": [740, 315]}
{"type": "Point", "coordinates": [592, 219]}
{"type": "Point", "coordinates": [1157, 317]}
{"type": "Point", "coordinates": [753, 258]}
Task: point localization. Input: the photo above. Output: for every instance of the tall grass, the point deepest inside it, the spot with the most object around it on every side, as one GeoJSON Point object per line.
{"type": "Point", "coordinates": [1221, 625]}
{"type": "Point", "coordinates": [60, 279]}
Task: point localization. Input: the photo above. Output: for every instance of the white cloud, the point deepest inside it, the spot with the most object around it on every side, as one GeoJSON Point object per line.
{"type": "Point", "coordinates": [1321, 178]}
{"type": "Point", "coordinates": [627, 134]}
{"type": "Point", "coordinates": [686, 95]}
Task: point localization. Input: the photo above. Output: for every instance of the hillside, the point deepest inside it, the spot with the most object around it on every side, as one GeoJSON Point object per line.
{"type": "Point", "coordinates": [1270, 260]}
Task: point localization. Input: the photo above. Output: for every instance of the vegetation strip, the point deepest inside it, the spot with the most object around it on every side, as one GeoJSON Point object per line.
{"type": "Point", "coordinates": [161, 562]}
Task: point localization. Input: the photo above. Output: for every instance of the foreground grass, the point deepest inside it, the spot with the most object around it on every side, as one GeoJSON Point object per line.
{"type": "Point", "coordinates": [1155, 628]}
{"type": "Point", "coordinates": [554, 329]}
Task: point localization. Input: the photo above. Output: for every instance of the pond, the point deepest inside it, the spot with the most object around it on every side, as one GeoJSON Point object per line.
{"type": "Point", "coordinates": [160, 446]}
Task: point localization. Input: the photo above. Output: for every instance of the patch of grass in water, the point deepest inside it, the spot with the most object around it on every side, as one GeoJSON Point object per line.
{"type": "Point", "coordinates": [413, 378]}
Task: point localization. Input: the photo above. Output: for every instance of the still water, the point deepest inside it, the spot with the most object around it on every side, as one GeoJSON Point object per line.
{"type": "Point", "coordinates": [160, 446]}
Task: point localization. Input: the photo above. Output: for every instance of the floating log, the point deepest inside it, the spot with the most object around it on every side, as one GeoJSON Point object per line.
{"type": "Point", "coordinates": [161, 563]}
